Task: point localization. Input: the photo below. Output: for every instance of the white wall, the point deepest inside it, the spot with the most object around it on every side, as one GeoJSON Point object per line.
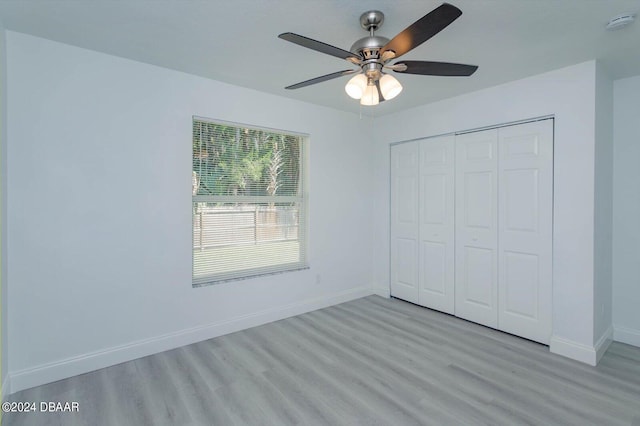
{"type": "Point", "coordinates": [603, 329]}
{"type": "Point", "coordinates": [569, 95]}
{"type": "Point", "coordinates": [626, 211]}
{"type": "Point", "coordinates": [99, 210]}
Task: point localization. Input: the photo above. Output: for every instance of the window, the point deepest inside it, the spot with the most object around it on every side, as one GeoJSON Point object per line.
{"type": "Point", "coordinates": [249, 213]}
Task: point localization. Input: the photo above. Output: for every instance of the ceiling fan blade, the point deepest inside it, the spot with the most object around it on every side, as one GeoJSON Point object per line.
{"type": "Point", "coordinates": [434, 68]}
{"type": "Point", "coordinates": [322, 78]}
{"type": "Point", "coordinates": [423, 29]}
{"type": "Point", "coordinates": [320, 47]}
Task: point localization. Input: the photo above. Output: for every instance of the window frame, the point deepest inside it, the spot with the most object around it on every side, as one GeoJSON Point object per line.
{"type": "Point", "coordinates": [302, 200]}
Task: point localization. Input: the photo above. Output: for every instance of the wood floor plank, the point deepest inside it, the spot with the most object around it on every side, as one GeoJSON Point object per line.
{"type": "Point", "coordinates": [434, 377]}
{"type": "Point", "coordinates": [532, 357]}
{"type": "Point", "coordinates": [193, 385]}
{"type": "Point", "coordinates": [506, 375]}
{"type": "Point", "coordinates": [332, 391]}
{"type": "Point", "coordinates": [368, 390]}
{"type": "Point", "coordinates": [372, 361]}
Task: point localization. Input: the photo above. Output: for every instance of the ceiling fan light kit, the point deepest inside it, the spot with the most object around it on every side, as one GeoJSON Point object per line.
{"type": "Point", "coordinates": [372, 83]}
{"type": "Point", "coordinates": [370, 96]}
{"type": "Point", "coordinates": [356, 86]}
{"type": "Point", "coordinates": [390, 86]}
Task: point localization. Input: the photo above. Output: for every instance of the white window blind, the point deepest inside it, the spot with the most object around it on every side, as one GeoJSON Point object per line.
{"type": "Point", "coordinates": [249, 214]}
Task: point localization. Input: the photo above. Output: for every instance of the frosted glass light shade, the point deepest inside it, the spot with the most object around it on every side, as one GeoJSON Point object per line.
{"type": "Point", "coordinates": [356, 86]}
{"type": "Point", "coordinates": [390, 86]}
{"type": "Point", "coordinates": [370, 96]}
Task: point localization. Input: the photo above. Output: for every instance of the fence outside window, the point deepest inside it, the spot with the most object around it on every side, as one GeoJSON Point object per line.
{"type": "Point", "coordinates": [215, 226]}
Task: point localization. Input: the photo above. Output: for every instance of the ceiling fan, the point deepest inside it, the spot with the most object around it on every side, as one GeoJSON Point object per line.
{"type": "Point", "coordinates": [372, 83]}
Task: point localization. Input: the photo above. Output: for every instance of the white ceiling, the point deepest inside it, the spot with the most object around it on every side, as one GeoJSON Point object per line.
{"type": "Point", "coordinates": [235, 41]}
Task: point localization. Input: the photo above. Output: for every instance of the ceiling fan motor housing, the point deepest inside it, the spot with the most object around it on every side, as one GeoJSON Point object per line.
{"type": "Point", "coordinates": [369, 47]}
{"type": "Point", "coordinates": [369, 50]}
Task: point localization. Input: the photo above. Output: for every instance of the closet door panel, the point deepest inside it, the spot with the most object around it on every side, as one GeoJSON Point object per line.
{"type": "Point", "coordinates": [476, 225]}
{"type": "Point", "coordinates": [479, 276]}
{"type": "Point", "coordinates": [525, 232]}
{"type": "Point", "coordinates": [437, 246]}
{"type": "Point", "coordinates": [520, 281]}
{"type": "Point", "coordinates": [434, 276]}
{"type": "Point", "coordinates": [405, 246]}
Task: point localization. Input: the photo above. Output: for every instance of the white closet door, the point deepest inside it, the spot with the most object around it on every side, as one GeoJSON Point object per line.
{"type": "Point", "coordinates": [437, 245]}
{"type": "Point", "coordinates": [476, 282]}
{"type": "Point", "coordinates": [405, 221]}
{"type": "Point", "coordinates": [525, 197]}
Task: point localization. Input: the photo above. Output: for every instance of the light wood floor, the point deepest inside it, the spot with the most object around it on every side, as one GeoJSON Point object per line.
{"type": "Point", "coordinates": [372, 361]}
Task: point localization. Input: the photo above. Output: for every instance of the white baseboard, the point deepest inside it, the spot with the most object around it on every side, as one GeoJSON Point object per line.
{"type": "Point", "coordinates": [74, 366]}
{"type": "Point", "coordinates": [626, 335]}
{"type": "Point", "coordinates": [382, 291]}
{"type": "Point", "coordinates": [603, 343]}
{"type": "Point", "coordinates": [580, 352]}
{"type": "Point", "coordinates": [574, 350]}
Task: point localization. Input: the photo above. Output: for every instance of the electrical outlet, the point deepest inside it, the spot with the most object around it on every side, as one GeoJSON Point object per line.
{"type": "Point", "coordinates": [318, 278]}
